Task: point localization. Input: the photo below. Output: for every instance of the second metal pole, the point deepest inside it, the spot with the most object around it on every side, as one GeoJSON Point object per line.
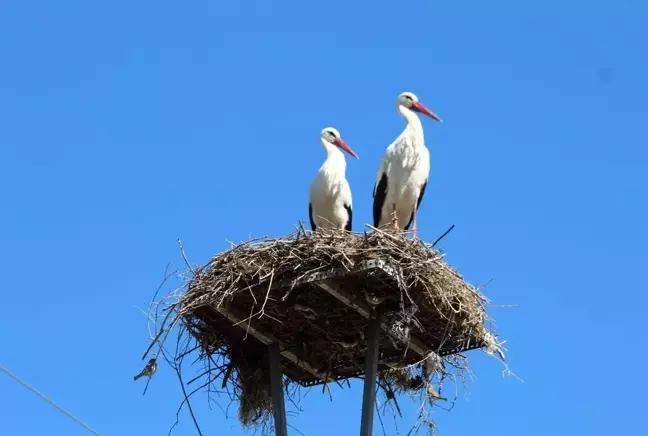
{"type": "Point", "coordinates": [276, 390]}
{"type": "Point", "coordinates": [371, 371]}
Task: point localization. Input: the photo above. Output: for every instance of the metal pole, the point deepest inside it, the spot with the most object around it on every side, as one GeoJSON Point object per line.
{"type": "Point", "coordinates": [371, 371]}
{"type": "Point", "coordinates": [276, 390]}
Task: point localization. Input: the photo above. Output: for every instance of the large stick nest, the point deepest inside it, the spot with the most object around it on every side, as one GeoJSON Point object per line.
{"type": "Point", "coordinates": [263, 280]}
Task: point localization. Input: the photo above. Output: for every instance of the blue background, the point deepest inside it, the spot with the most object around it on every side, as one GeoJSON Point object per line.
{"type": "Point", "coordinates": [127, 125]}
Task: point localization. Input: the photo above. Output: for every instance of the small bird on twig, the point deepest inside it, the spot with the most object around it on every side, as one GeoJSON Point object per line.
{"type": "Point", "coordinates": [148, 370]}
{"type": "Point", "coordinates": [432, 394]}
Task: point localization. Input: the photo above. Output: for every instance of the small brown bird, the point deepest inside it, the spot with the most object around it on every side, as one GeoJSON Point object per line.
{"type": "Point", "coordinates": [432, 394]}
{"type": "Point", "coordinates": [148, 370]}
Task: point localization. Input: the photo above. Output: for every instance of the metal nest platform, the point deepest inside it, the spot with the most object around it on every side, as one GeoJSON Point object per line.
{"type": "Point", "coordinates": [271, 315]}
{"type": "Point", "coordinates": [319, 322]}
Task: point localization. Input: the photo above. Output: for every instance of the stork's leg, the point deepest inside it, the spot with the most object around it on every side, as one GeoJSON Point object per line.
{"type": "Point", "coordinates": [414, 222]}
{"type": "Point", "coordinates": [395, 220]}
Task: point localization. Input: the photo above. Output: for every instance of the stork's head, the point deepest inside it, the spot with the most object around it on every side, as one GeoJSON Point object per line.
{"type": "Point", "coordinates": [332, 136]}
{"type": "Point", "coordinates": [410, 101]}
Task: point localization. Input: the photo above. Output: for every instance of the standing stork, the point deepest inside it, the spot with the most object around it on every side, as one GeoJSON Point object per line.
{"type": "Point", "coordinates": [404, 169]}
{"type": "Point", "coordinates": [330, 195]}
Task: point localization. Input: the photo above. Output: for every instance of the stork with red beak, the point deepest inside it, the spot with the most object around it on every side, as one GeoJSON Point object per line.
{"type": "Point", "coordinates": [404, 170]}
{"type": "Point", "coordinates": [330, 196]}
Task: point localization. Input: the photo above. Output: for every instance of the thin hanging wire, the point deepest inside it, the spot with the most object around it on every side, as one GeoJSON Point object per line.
{"type": "Point", "coordinates": [22, 382]}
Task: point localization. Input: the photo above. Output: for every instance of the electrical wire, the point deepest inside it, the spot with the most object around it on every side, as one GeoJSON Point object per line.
{"type": "Point", "coordinates": [22, 382]}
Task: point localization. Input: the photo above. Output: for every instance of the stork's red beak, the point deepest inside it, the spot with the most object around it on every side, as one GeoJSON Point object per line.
{"type": "Point", "coordinates": [419, 107]}
{"type": "Point", "coordinates": [343, 145]}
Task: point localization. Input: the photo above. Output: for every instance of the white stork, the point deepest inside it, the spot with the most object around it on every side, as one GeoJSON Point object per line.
{"type": "Point", "coordinates": [330, 195]}
{"type": "Point", "coordinates": [404, 170]}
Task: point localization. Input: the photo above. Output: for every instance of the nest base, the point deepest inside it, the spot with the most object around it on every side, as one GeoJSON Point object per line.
{"type": "Point", "coordinates": [306, 317]}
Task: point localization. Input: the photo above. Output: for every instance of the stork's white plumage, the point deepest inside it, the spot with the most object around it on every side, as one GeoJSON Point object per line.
{"type": "Point", "coordinates": [330, 196]}
{"type": "Point", "coordinates": [404, 170]}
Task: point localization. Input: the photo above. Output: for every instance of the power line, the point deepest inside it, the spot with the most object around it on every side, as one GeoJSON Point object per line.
{"type": "Point", "coordinates": [22, 382]}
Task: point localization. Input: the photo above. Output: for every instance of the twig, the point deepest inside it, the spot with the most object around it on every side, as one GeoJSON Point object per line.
{"type": "Point", "coordinates": [442, 236]}
{"type": "Point", "coordinates": [382, 424]}
{"type": "Point", "coordinates": [390, 395]}
{"type": "Point", "coordinates": [184, 256]}
{"type": "Point", "coordinates": [157, 337]}
{"type": "Point", "coordinates": [148, 380]}
{"type": "Point", "coordinates": [267, 294]}
{"type": "Point", "coordinates": [166, 277]}
{"type": "Point", "coordinates": [227, 375]}
{"type": "Point", "coordinates": [178, 372]}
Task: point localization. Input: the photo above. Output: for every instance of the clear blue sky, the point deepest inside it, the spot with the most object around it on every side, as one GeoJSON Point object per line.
{"type": "Point", "coordinates": [126, 125]}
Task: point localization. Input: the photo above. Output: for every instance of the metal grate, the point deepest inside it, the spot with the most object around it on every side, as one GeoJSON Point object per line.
{"type": "Point", "coordinates": [339, 297]}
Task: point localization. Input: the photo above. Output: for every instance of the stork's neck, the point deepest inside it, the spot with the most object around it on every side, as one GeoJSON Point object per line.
{"type": "Point", "coordinates": [414, 128]}
{"type": "Point", "coordinates": [334, 157]}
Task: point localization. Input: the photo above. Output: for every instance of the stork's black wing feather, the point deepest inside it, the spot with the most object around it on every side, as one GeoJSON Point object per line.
{"type": "Point", "coordinates": [310, 217]}
{"type": "Point", "coordinates": [379, 199]}
{"type": "Point", "coordinates": [349, 224]}
{"type": "Point", "coordinates": [418, 203]}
